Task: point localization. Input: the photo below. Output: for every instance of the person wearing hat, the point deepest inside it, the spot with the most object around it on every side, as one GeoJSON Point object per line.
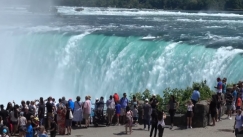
{"type": "Point", "coordinates": [147, 109]}
{"type": "Point", "coordinates": [153, 101]}
{"type": "Point", "coordinates": [5, 133]}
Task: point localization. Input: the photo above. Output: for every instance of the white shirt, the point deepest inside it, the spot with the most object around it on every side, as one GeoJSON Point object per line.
{"type": "Point", "coordinates": [189, 107]}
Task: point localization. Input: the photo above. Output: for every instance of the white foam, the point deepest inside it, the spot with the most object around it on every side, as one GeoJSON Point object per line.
{"type": "Point", "coordinates": [134, 12]}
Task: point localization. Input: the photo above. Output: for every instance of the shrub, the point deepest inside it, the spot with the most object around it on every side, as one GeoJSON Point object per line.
{"type": "Point", "coordinates": [181, 95]}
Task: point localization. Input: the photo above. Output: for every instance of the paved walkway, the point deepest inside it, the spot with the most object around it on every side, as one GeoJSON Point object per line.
{"type": "Point", "coordinates": [223, 128]}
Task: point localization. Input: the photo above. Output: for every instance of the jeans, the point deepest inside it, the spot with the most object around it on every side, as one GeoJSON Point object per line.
{"type": "Point", "coordinates": [154, 128]}
{"type": "Point", "coordinates": [161, 130]}
{"type": "Point", "coordinates": [146, 121]}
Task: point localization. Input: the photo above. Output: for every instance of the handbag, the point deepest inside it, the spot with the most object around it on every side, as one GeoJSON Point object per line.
{"type": "Point", "coordinates": [70, 115]}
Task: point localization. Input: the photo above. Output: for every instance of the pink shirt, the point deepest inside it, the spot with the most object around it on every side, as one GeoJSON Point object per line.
{"type": "Point", "coordinates": [87, 107]}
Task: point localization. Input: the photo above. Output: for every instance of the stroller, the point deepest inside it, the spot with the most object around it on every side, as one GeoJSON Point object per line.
{"type": "Point", "coordinates": [99, 118]}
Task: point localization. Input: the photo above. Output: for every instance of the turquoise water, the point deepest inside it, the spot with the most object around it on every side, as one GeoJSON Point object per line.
{"type": "Point", "coordinates": [70, 55]}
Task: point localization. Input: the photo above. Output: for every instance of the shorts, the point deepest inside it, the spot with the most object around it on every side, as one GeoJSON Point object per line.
{"type": "Point", "coordinates": [229, 107]}
{"type": "Point", "coordinates": [68, 122]}
{"type": "Point", "coordinates": [189, 114]}
{"type": "Point", "coordinates": [110, 111]}
{"type": "Point", "coordinates": [50, 116]}
{"type": "Point", "coordinates": [86, 116]}
{"type": "Point", "coordinates": [22, 128]}
{"type": "Point", "coordinates": [123, 111]}
{"type": "Point", "coordinates": [118, 115]}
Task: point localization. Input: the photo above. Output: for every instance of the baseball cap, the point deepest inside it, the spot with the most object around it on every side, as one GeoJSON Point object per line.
{"type": "Point", "coordinates": [146, 99]}
{"type": "Point", "coordinates": [4, 131]}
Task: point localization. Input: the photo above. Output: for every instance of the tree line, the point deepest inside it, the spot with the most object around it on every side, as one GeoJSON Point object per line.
{"type": "Point", "coordinates": [159, 4]}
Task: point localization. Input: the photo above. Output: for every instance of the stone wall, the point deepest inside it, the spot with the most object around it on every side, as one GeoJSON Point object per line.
{"type": "Point", "coordinates": [201, 117]}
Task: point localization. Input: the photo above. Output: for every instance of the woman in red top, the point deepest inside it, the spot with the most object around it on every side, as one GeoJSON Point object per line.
{"type": "Point", "coordinates": [116, 97]}
{"type": "Point", "coordinates": [238, 102]}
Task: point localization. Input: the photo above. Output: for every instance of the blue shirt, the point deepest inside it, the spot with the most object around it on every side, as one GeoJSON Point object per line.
{"type": "Point", "coordinates": [29, 131]}
{"type": "Point", "coordinates": [71, 104]}
{"type": "Point", "coordinates": [234, 94]}
{"type": "Point", "coordinates": [195, 95]}
{"type": "Point", "coordinates": [124, 102]}
{"type": "Point", "coordinates": [118, 108]}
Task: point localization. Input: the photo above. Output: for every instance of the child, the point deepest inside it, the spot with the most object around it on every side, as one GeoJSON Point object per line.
{"type": "Point", "coordinates": [135, 114]}
{"type": "Point", "coordinates": [42, 132]}
{"type": "Point", "coordinates": [189, 113]}
{"type": "Point", "coordinates": [118, 111]}
{"type": "Point", "coordinates": [238, 102]}
{"type": "Point", "coordinates": [29, 132]}
{"type": "Point", "coordinates": [161, 123]}
{"type": "Point", "coordinates": [129, 116]}
{"type": "Point", "coordinates": [53, 128]}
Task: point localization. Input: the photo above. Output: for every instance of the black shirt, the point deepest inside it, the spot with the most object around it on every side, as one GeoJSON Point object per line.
{"type": "Point", "coordinates": [154, 102]}
{"type": "Point", "coordinates": [212, 106]}
{"type": "Point", "coordinates": [68, 113]}
{"type": "Point", "coordinates": [41, 111]}
{"type": "Point", "coordinates": [53, 128]}
{"type": "Point", "coordinates": [4, 114]}
{"type": "Point", "coordinates": [49, 107]}
{"type": "Point", "coordinates": [229, 99]}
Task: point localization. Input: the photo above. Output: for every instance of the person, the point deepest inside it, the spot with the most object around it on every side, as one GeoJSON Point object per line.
{"type": "Point", "coordinates": [49, 107]}
{"type": "Point", "coordinates": [3, 113]}
{"type": "Point", "coordinates": [219, 101]}
{"type": "Point", "coordinates": [78, 112]}
{"type": "Point", "coordinates": [234, 94]}
{"type": "Point", "coordinates": [22, 124]}
{"type": "Point", "coordinates": [27, 114]}
{"type": "Point", "coordinates": [116, 97]}
{"type": "Point", "coordinates": [64, 101]}
{"type": "Point", "coordinates": [71, 104]}
{"type": "Point", "coordinates": [68, 121]}
{"type": "Point", "coordinates": [35, 124]}
{"type": "Point", "coordinates": [41, 111]}
{"type": "Point", "coordinates": [134, 102]}
{"type": "Point", "coordinates": [86, 111]}
{"type": "Point", "coordinates": [29, 132]}
{"type": "Point", "coordinates": [172, 109]}
{"type": "Point", "coordinates": [5, 133]}
{"type": "Point", "coordinates": [224, 85]}
{"type": "Point", "coordinates": [195, 96]}
{"type": "Point", "coordinates": [238, 102]}
{"type": "Point", "coordinates": [124, 103]}
{"type": "Point", "coordinates": [189, 113]}
{"type": "Point", "coordinates": [212, 108]}
{"type": "Point", "coordinates": [153, 101]}
{"type": "Point", "coordinates": [238, 123]}
{"type": "Point", "coordinates": [61, 115]}
{"type": "Point", "coordinates": [42, 132]}
{"type": "Point", "coordinates": [229, 99]}
{"type": "Point", "coordinates": [53, 129]}
{"type": "Point", "coordinates": [101, 105]}
{"type": "Point", "coordinates": [4, 126]}
{"type": "Point", "coordinates": [118, 111]}
{"type": "Point", "coordinates": [110, 104]}
{"type": "Point", "coordinates": [219, 86]}
{"type": "Point", "coordinates": [146, 114]}
{"type": "Point", "coordinates": [129, 116]}
{"type": "Point", "coordinates": [154, 121]}
{"type": "Point", "coordinates": [161, 123]}
{"type": "Point", "coordinates": [14, 120]}
{"type": "Point", "coordinates": [32, 108]}
{"type": "Point", "coordinates": [135, 114]}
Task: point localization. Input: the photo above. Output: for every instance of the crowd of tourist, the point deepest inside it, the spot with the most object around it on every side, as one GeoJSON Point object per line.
{"type": "Point", "coordinates": [46, 116]}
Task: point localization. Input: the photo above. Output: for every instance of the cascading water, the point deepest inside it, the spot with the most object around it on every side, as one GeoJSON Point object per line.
{"type": "Point", "coordinates": [89, 60]}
